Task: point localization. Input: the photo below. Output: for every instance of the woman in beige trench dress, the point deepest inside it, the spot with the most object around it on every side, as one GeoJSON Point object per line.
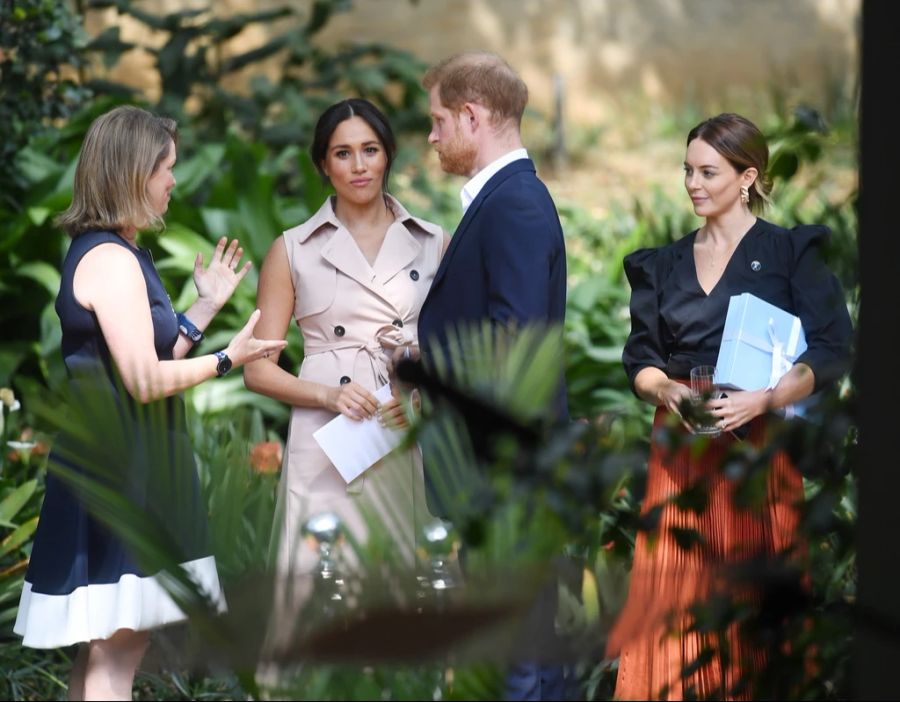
{"type": "Point", "coordinates": [354, 277]}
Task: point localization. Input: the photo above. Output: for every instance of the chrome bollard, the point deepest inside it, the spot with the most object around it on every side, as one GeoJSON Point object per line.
{"type": "Point", "coordinates": [325, 530]}
{"type": "Point", "coordinates": [439, 544]}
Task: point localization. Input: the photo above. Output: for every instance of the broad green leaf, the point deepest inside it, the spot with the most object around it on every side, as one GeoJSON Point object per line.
{"type": "Point", "coordinates": [51, 332]}
{"type": "Point", "coordinates": [314, 189]}
{"type": "Point", "coordinates": [187, 295]}
{"type": "Point", "coordinates": [228, 394]}
{"type": "Point", "coordinates": [18, 537]}
{"type": "Point", "coordinates": [11, 355]}
{"type": "Point", "coordinates": [182, 244]}
{"type": "Point", "coordinates": [8, 615]}
{"type": "Point", "coordinates": [38, 215]}
{"type": "Point", "coordinates": [35, 165]}
{"type": "Point", "coordinates": [258, 224]}
{"type": "Point", "coordinates": [191, 174]}
{"type": "Point", "coordinates": [43, 273]}
{"type": "Point", "coordinates": [17, 499]}
{"type": "Point", "coordinates": [10, 590]}
{"type": "Point", "coordinates": [218, 221]}
{"type": "Point", "coordinates": [609, 354]}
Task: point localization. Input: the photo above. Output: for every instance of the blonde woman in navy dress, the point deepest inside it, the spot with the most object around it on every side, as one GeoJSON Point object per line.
{"type": "Point", "coordinates": [679, 300]}
{"type": "Point", "coordinates": [120, 335]}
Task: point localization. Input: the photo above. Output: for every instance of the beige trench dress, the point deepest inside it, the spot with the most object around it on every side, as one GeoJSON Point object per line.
{"type": "Point", "coordinates": [352, 315]}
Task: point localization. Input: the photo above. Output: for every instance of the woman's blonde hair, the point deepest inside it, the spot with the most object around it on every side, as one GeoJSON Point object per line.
{"type": "Point", "coordinates": [121, 151]}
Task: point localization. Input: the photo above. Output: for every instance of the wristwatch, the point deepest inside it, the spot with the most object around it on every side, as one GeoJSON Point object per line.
{"type": "Point", "coordinates": [224, 364]}
{"type": "Point", "coordinates": [188, 328]}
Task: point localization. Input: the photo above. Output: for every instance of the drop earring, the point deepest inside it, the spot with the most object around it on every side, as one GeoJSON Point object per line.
{"type": "Point", "coordinates": [745, 195]}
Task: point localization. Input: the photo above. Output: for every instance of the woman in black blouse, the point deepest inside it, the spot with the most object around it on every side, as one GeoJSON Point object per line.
{"type": "Point", "coordinates": [679, 300]}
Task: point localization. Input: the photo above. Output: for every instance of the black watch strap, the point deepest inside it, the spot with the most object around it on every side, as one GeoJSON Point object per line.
{"type": "Point", "coordinates": [224, 364]}
{"type": "Point", "coordinates": [188, 328]}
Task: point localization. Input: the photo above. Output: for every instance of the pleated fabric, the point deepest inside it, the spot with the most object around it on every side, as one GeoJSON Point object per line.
{"type": "Point", "coordinates": [651, 634]}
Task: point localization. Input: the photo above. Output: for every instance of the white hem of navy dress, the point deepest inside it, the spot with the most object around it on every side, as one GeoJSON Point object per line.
{"type": "Point", "coordinates": [96, 611]}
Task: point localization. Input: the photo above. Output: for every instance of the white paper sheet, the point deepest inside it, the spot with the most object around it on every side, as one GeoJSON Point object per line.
{"type": "Point", "coordinates": [354, 446]}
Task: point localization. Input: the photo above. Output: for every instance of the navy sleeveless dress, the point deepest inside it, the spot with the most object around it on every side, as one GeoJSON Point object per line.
{"type": "Point", "coordinates": [83, 582]}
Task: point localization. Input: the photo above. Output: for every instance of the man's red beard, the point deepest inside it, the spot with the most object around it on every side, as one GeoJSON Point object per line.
{"type": "Point", "coordinates": [458, 156]}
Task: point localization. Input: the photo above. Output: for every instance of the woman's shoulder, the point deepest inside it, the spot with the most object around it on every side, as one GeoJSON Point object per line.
{"type": "Point", "coordinates": [798, 230]}
{"type": "Point", "coordinates": [652, 261]}
{"type": "Point", "coordinates": [92, 240]}
{"type": "Point", "coordinates": [324, 218]}
{"type": "Point", "coordinates": [794, 240]}
{"type": "Point", "coordinates": [94, 237]}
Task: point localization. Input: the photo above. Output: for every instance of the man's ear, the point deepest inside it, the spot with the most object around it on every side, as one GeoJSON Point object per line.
{"type": "Point", "coordinates": [470, 114]}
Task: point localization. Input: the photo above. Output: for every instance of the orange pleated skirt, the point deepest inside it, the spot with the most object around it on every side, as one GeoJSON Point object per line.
{"type": "Point", "coordinates": [650, 636]}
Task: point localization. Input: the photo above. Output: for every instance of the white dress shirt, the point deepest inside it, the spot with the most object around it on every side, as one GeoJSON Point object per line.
{"type": "Point", "coordinates": [471, 189]}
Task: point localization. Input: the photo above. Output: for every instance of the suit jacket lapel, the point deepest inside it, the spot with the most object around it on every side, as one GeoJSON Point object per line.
{"type": "Point", "coordinates": [454, 241]}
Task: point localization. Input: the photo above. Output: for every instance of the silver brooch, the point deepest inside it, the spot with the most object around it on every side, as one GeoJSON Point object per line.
{"type": "Point", "coordinates": [755, 265]}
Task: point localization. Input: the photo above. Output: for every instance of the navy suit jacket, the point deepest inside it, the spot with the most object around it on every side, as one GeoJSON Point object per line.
{"type": "Point", "coordinates": [506, 263]}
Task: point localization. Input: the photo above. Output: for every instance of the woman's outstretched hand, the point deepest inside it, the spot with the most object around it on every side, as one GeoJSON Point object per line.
{"type": "Point", "coordinates": [244, 347]}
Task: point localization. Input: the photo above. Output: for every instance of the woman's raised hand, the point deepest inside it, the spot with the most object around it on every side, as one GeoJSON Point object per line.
{"type": "Point", "coordinates": [216, 283]}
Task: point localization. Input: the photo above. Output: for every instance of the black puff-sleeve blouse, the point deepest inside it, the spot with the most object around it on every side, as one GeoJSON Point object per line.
{"type": "Point", "coordinates": [675, 325]}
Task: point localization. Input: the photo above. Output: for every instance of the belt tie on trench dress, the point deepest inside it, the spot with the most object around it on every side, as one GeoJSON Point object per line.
{"type": "Point", "coordinates": [386, 339]}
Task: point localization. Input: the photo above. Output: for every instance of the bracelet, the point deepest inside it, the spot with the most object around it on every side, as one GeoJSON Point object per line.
{"type": "Point", "coordinates": [189, 329]}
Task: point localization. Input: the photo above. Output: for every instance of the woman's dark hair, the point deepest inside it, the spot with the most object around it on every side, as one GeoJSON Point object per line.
{"type": "Point", "coordinates": [344, 110]}
{"type": "Point", "coordinates": [740, 142]}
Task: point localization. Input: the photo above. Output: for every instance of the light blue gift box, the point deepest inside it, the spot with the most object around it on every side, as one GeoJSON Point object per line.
{"type": "Point", "coordinates": [760, 343]}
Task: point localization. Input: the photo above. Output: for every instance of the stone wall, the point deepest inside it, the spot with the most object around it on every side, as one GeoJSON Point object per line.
{"type": "Point", "coordinates": [608, 55]}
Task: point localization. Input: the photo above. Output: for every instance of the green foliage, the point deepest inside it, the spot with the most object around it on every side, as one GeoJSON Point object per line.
{"type": "Point", "coordinates": [239, 490]}
{"type": "Point", "coordinates": [27, 675]}
{"type": "Point", "coordinates": [22, 467]}
{"type": "Point", "coordinates": [193, 63]}
{"type": "Point", "coordinates": [40, 52]}
{"type": "Point", "coordinates": [805, 194]}
{"type": "Point", "coordinates": [243, 171]}
{"type": "Point", "coordinates": [330, 682]}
